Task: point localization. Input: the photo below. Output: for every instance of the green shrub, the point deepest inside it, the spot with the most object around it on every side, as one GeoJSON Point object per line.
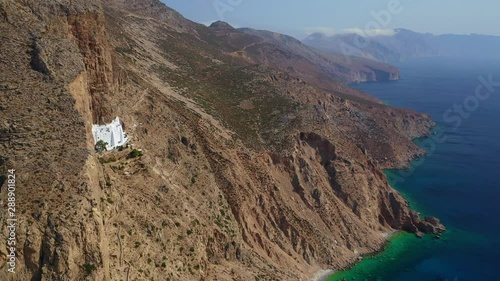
{"type": "Point", "coordinates": [134, 153]}
{"type": "Point", "coordinates": [105, 161]}
{"type": "Point", "coordinates": [88, 268]}
{"type": "Point", "coordinates": [100, 146]}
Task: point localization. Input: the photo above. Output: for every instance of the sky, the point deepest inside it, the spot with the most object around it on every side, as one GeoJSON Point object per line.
{"type": "Point", "coordinates": [300, 18]}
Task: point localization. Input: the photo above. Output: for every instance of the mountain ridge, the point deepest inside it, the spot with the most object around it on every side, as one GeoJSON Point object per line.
{"type": "Point", "coordinates": [406, 45]}
{"type": "Point", "coordinates": [349, 69]}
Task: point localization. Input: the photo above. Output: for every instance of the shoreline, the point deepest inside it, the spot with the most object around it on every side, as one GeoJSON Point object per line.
{"type": "Point", "coordinates": [391, 238]}
{"type": "Point", "coordinates": [396, 246]}
{"type": "Point", "coordinates": [323, 275]}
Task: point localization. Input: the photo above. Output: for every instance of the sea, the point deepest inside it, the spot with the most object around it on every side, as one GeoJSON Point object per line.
{"type": "Point", "coordinates": [458, 181]}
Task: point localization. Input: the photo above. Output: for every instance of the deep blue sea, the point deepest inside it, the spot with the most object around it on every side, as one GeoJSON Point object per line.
{"type": "Point", "coordinates": [459, 180]}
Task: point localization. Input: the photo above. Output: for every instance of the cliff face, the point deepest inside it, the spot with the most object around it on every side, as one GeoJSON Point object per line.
{"type": "Point", "coordinates": [56, 58]}
{"type": "Point", "coordinates": [250, 170]}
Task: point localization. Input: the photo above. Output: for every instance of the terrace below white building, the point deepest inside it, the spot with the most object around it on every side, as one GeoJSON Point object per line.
{"type": "Point", "coordinates": [112, 134]}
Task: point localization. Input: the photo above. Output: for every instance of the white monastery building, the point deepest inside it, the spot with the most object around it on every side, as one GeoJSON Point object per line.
{"type": "Point", "coordinates": [112, 134]}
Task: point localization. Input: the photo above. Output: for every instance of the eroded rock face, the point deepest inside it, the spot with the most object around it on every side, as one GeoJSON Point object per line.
{"type": "Point", "coordinates": [276, 190]}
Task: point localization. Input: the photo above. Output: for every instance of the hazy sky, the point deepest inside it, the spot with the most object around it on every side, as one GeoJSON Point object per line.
{"type": "Point", "coordinates": [301, 17]}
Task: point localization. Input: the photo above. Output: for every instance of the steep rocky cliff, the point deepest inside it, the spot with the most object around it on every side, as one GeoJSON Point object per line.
{"type": "Point", "coordinates": [249, 171]}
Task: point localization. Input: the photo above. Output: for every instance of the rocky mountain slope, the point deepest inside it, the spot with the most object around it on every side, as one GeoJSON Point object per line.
{"type": "Point", "coordinates": [251, 169]}
{"type": "Point", "coordinates": [405, 45]}
{"type": "Point", "coordinates": [344, 68]}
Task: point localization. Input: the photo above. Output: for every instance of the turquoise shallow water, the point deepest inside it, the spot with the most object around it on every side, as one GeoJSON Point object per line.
{"type": "Point", "coordinates": [458, 181]}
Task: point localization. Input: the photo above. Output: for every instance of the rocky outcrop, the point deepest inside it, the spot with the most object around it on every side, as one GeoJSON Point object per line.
{"type": "Point", "coordinates": [88, 32]}
{"type": "Point", "coordinates": [221, 25]}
